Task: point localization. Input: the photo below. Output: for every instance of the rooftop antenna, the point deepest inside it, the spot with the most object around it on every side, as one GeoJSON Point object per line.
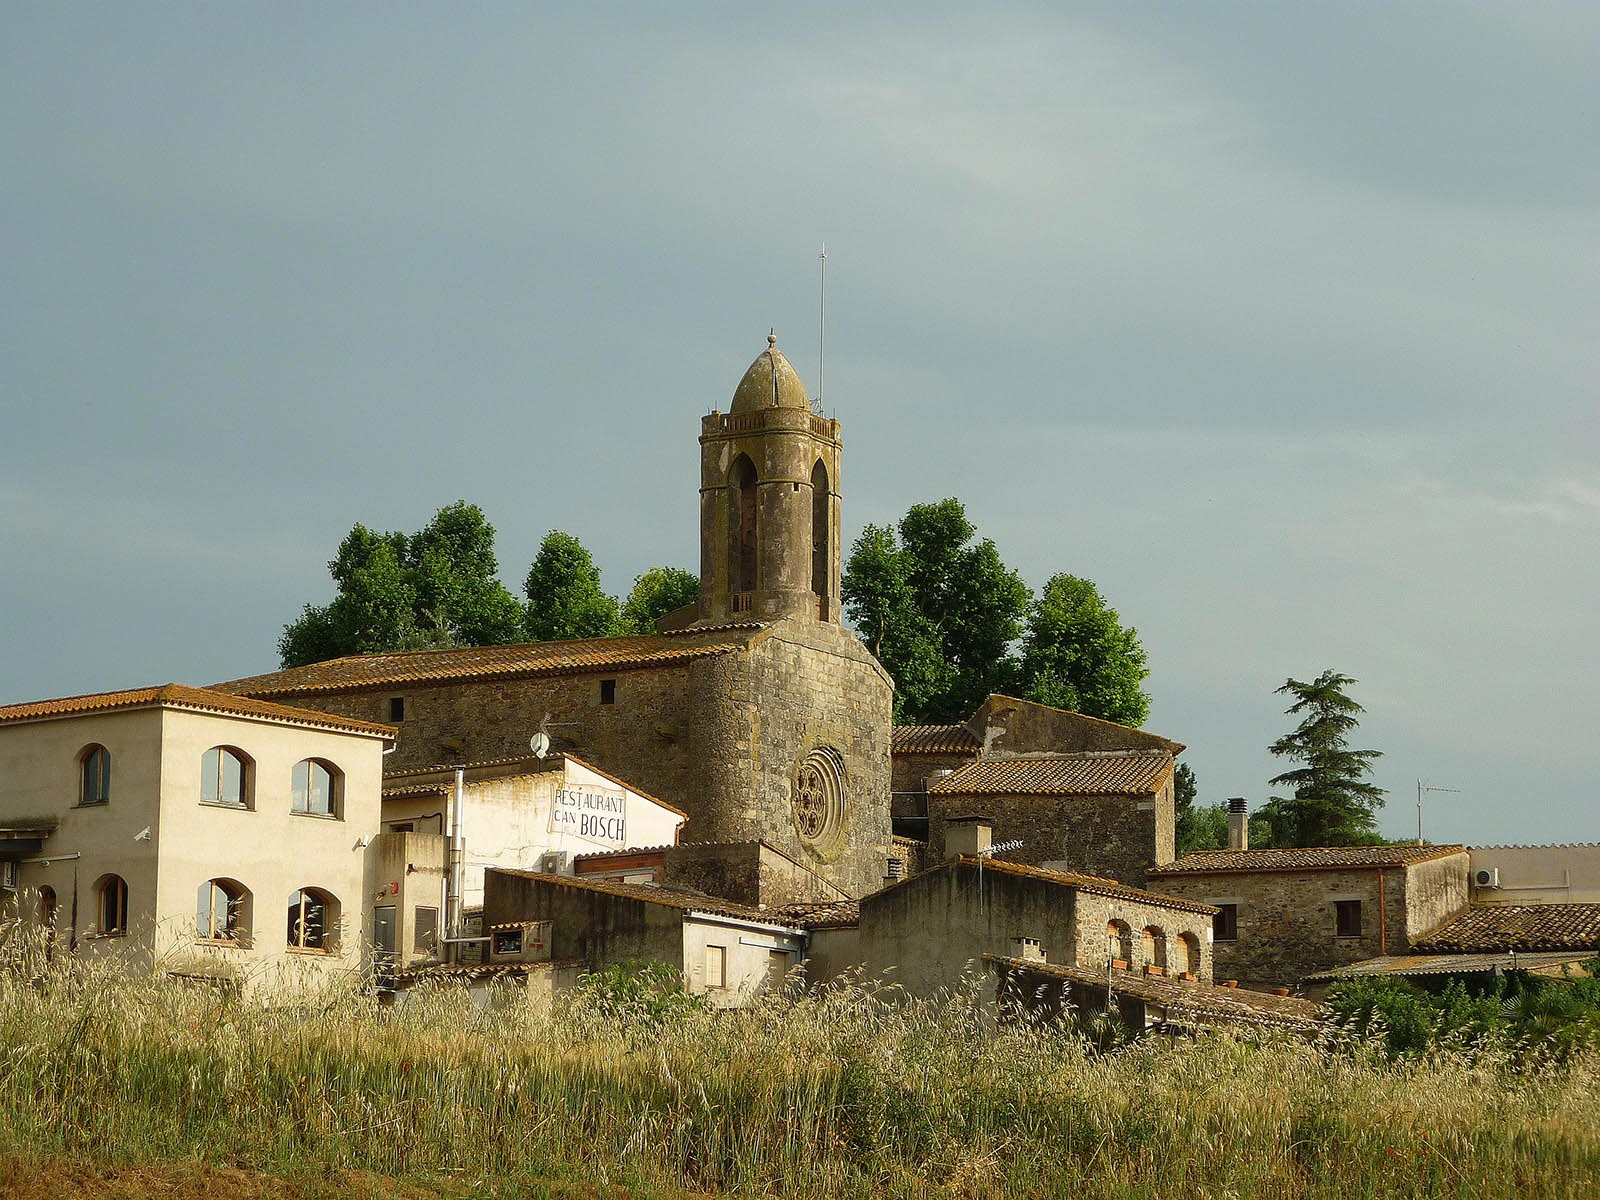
{"type": "Point", "coordinates": [822, 303]}
{"type": "Point", "coordinates": [1423, 787]}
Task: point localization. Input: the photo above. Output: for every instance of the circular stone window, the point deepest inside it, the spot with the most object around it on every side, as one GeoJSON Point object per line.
{"type": "Point", "coordinates": [818, 802]}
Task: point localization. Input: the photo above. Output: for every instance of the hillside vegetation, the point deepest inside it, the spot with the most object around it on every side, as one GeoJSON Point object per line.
{"type": "Point", "coordinates": [840, 1092]}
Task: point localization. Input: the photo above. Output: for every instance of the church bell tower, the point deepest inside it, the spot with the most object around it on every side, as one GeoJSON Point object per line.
{"type": "Point", "coordinates": [769, 502]}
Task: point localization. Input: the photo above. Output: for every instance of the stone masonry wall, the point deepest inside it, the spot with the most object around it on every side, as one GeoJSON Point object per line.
{"type": "Point", "coordinates": [587, 924]}
{"type": "Point", "coordinates": [1435, 891]}
{"type": "Point", "coordinates": [1118, 837]}
{"type": "Point", "coordinates": [1096, 912]}
{"type": "Point", "coordinates": [804, 687]}
{"type": "Point", "coordinates": [1286, 924]}
{"type": "Point", "coordinates": [910, 774]}
{"type": "Point", "coordinates": [729, 870]}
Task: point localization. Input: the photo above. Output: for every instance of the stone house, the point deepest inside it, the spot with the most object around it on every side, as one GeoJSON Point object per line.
{"type": "Point", "coordinates": [924, 932]}
{"type": "Point", "coordinates": [1286, 914]}
{"type": "Point", "coordinates": [195, 832]}
{"type": "Point", "coordinates": [753, 711]}
{"type": "Point", "coordinates": [725, 952]}
{"type": "Point", "coordinates": [1101, 812]}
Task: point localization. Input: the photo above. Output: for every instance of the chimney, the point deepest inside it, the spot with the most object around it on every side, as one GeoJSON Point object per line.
{"type": "Point", "coordinates": [968, 835]}
{"type": "Point", "coordinates": [1028, 949]}
{"type": "Point", "coordinates": [1238, 825]}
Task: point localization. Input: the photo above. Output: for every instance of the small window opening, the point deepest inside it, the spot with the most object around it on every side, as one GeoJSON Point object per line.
{"type": "Point", "coordinates": [1225, 925]}
{"type": "Point", "coordinates": [397, 709]}
{"type": "Point", "coordinates": [716, 966]}
{"type": "Point", "coordinates": [1347, 918]}
{"type": "Point", "coordinates": [425, 931]}
{"type": "Point", "coordinates": [608, 691]}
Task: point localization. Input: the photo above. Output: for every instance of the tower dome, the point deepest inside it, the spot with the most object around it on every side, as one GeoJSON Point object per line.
{"type": "Point", "coordinates": [771, 382]}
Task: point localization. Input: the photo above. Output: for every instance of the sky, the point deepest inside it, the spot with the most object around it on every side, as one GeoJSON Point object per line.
{"type": "Point", "coordinates": [1277, 321]}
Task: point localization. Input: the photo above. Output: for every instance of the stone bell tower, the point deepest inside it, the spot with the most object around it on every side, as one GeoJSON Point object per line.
{"type": "Point", "coordinates": [769, 501]}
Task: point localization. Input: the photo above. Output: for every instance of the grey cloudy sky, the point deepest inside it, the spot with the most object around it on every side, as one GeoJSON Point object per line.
{"type": "Point", "coordinates": [1277, 321]}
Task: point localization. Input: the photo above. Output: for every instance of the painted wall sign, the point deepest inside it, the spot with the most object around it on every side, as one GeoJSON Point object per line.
{"type": "Point", "coordinates": [591, 814]}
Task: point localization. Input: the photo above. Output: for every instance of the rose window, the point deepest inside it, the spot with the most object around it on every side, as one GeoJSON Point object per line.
{"type": "Point", "coordinates": [818, 799]}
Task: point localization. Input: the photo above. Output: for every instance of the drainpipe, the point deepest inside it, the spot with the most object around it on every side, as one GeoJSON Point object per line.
{"type": "Point", "coordinates": [455, 867]}
{"type": "Point", "coordinates": [1383, 917]}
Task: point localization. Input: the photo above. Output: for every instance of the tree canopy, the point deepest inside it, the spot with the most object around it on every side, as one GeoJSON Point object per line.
{"type": "Point", "coordinates": [938, 608]}
{"type": "Point", "coordinates": [1333, 803]}
{"type": "Point", "coordinates": [441, 587]}
{"type": "Point", "coordinates": [1077, 655]}
{"type": "Point", "coordinates": [565, 599]}
{"type": "Point", "coordinates": [658, 591]}
{"type": "Point", "coordinates": [437, 587]}
{"type": "Point", "coordinates": [946, 617]}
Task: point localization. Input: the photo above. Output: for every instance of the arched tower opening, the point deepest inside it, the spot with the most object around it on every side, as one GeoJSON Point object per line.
{"type": "Point", "coordinates": [821, 528]}
{"type": "Point", "coordinates": [742, 523]}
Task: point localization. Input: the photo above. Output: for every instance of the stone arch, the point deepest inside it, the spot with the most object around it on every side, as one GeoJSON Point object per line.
{"type": "Point", "coordinates": [1188, 953]}
{"type": "Point", "coordinates": [821, 529]}
{"type": "Point", "coordinates": [1155, 946]}
{"type": "Point", "coordinates": [1119, 939]}
{"type": "Point", "coordinates": [743, 555]}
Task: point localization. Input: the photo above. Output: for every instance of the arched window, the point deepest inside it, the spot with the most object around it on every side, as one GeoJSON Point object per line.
{"type": "Point", "coordinates": [819, 538]}
{"type": "Point", "coordinates": [222, 911]}
{"type": "Point", "coordinates": [315, 788]}
{"type": "Point", "coordinates": [313, 920]}
{"type": "Point", "coordinates": [111, 905]}
{"type": "Point", "coordinates": [1155, 946]}
{"type": "Point", "coordinates": [1189, 953]}
{"type": "Point", "coordinates": [1119, 940]}
{"type": "Point", "coordinates": [225, 777]}
{"type": "Point", "coordinates": [94, 775]}
{"type": "Point", "coordinates": [742, 489]}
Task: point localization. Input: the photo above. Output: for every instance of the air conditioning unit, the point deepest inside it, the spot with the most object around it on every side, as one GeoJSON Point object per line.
{"type": "Point", "coordinates": [8, 875]}
{"type": "Point", "coordinates": [1486, 877]}
{"type": "Point", "coordinates": [553, 862]}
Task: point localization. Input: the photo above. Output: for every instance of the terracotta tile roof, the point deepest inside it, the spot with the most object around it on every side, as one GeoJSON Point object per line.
{"type": "Point", "coordinates": [1082, 773]}
{"type": "Point", "coordinates": [1517, 927]}
{"type": "Point", "coordinates": [412, 791]}
{"type": "Point", "coordinates": [1317, 858]}
{"type": "Point", "coordinates": [933, 739]}
{"type": "Point", "coordinates": [470, 663]}
{"type": "Point", "coordinates": [1539, 962]}
{"type": "Point", "coordinates": [653, 894]}
{"type": "Point", "coordinates": [1185, 1002]}
{"type": "Point", "coordinates": [177, 695]}
{"type": "Point", "coordinates": [1088, 883]}
{"type": "Point", "coordinates": [823, 914]}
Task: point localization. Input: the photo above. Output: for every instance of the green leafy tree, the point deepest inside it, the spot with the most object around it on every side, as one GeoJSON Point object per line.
{"type": "Point", "coordinates": [1333, 803]}
{"type": "Point", "coordinates": [439, 587]}
{"type": "Point", "coordinates": [565, 599]}
{"type": "Point", "coordinates": [938, 608]}
{"type": "Point", "coordinates": [1198, 826]}
{"type": "Point", "coordinates": [1077, 655]}
{"type": "Point", "coordinates": [657, 592]}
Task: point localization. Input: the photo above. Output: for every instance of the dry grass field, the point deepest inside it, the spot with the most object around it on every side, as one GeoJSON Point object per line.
{"type": "Point", "coordinates": [149, 1087]}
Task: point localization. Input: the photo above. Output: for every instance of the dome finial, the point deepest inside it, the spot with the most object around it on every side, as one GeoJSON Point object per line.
{"type": "Point", "coordinates": [772, 336]}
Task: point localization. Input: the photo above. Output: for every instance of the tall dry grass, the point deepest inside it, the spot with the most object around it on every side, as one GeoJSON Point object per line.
{"type": "Point", "coordinates": [843, 1091]}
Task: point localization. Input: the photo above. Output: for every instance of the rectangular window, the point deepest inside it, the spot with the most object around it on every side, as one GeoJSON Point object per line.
{"type": "Point", "coordinates": [400, 827]}
{"type": "Point", "coordinates": [506, 941]}
{"type": "Point", "coordinates": [608, 691]}
{"type": "Point", "coordinates": [1347, 918]}
{"type": "Point", "coordinates": [397, 709]}
{"type": "Point", "coordinates": [716, 966]}
{"type": "Point", "coordinates": [425, 926]}
{"type": "Point", "coordinates": [1225, 925]}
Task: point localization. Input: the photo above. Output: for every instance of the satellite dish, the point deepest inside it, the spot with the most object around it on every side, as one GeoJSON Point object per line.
{"type": "Point", "coordinates": [539, 743]}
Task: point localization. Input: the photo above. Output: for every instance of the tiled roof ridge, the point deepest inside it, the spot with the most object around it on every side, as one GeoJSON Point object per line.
{"type": "Point", "coordinates": [592, 854]}
{"type": "Point", "coordinates": [1098, 884]}
{"type": "Point", "coordinates": [1057, 755]}
{"type": "Point", "coordinates": [185, 696]}
{"type": "Point", "coordinates": [1283, 858]}
{"type": "Point", "coordinates": [1077, 773]}
{"type": "Point", "coordinates": [1538, 846]}
{"type": "Point", "coordinates": [466, 664]}
{"type": "Point", "coordinates": [652, 893]}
